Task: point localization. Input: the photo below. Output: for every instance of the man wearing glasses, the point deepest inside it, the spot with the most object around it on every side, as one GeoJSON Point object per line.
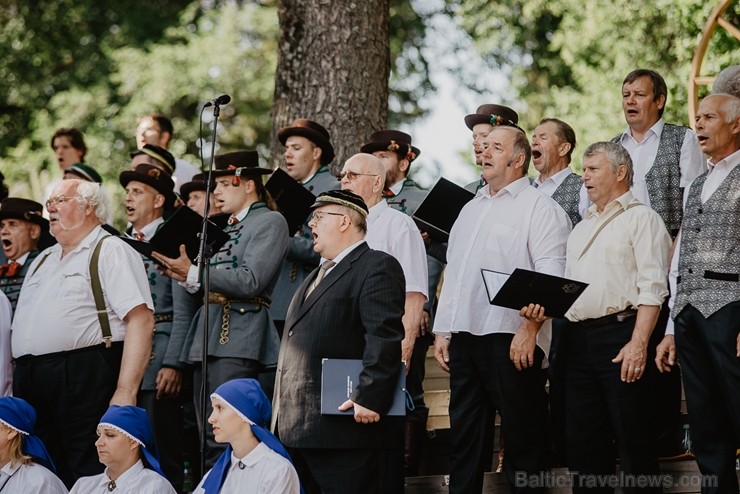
{"type": "Point", "coordinates": [68, 367]}
{"type": "Point", "coordinates": [349, 308]}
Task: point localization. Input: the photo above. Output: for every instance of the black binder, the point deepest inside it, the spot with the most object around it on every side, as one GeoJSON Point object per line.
{"type": "Point", "coordinates": [293, 200]}
{"type": "Point", "coordinates": [524, 287]}
{"type": "Point", "coordinates": [182, 227]}
{"type": "Point", "coordinates": [440, 208]}
{"type": "Point", "coordinates": [340, 377]}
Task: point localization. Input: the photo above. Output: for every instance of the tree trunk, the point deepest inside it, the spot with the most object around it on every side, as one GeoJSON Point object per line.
{"type": "Point", "coordinates": [333, 68]}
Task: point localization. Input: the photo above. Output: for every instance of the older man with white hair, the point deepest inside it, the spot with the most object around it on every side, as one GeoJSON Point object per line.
{"type": "Point", "coordinates": [72, 359]}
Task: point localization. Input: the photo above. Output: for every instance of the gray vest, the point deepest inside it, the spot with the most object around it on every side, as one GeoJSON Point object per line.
{"type": "Point", "coordinates": [161, 290]}
{"type": "Point", "coordinates": [12, 286]}
{"type": "Point", "coordinates": [709, 262]}
{"type": "Point", "coordinates": [664, 178]}
{"type": "Point", "coordinates": [567, 195]}
{"type": "Point", "coordinates": [408, 199]}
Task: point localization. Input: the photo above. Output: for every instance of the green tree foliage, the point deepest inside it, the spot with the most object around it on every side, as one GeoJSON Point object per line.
{"type": "Point", "coordinates": [569, 57]}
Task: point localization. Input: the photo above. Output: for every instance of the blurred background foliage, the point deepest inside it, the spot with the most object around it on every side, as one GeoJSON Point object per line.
{"type": "Point", "coordinates": [98, 65]}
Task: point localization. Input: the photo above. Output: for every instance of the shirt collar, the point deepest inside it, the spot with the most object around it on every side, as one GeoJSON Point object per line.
{"type": "Point", "coordinates": [344, 253]}
{"type": "Point", "coordinates": [397, 187]}
{"type": "Point", "coordinates": [622, 201]}
{"type": "Point", "coordinates": [656, 129]}
{"type": "Point", "coordinates": [513, 189]}
{"type": "Point", "coordinates": [150, 229]}
{"type": "Point", "coordinates": [244, 212]}
{"type": "Point", "coordinates": [558, 177]}
{"type": "Point", "coordinates": [377, 210]}
{"type": "Point", "coordinates": [22, 260]}
{"type": "Point", "coordinates": [251, 458]}
{"type": "Point", "coordinates": [321, 169]}
{"type": "Point", "coordinates": [11, 467]}
{"type": "Point", "coordinates": [125, 477]}
{"type": "Point", "coordinates": [730, 161]}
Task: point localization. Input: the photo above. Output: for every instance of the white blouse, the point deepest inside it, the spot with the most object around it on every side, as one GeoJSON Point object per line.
{"type": "Point", "coordinates": [135, 480]}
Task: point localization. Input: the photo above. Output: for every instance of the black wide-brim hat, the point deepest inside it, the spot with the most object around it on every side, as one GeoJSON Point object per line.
{"type": "Point", "coordinates": [239, 163]}
{"type": "Point", "coordinates": [23, 209]}
{"type": "Point", "coordinates": [392, 140]}
{"type": "Point", "coordinates": [312, 131]}
{"type": "Point", "coordinates": [159, 154]}
{"type": "Point", "coordinates": [156, 178]}
{"type": "Point", "coordinates": [494, 115]}
{"type": "Point", "coordinates": [198, 182]}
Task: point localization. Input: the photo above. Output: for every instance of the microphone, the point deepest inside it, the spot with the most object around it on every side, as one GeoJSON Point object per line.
{"type": "Point", "coordinates": [221, 100]}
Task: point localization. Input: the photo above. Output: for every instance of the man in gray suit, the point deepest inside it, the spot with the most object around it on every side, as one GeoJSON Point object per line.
{"type": "Point", "coordinates": [349, 308]}
{"type": "Point", "coordinates": [241, 336]}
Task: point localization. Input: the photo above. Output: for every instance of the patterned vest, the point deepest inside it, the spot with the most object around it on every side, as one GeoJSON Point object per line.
{"type": "Point", "coordinates": [567, 195]}
{"type": "Point", "coordinates": [11, 287]}
{"type": "Point", "coordinates": [663, 180]}
{"type": "Point", "coordinates": [709, 262]}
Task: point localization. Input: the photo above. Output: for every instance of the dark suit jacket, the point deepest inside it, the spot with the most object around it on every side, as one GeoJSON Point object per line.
{"type": "Point", "coordinates": [354, 313]}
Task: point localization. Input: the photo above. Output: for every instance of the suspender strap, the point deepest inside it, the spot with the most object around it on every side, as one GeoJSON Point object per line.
{"type": "Point", "coordinates": [97, 290]}
{"type": "Point", "coordinates": [603, 225]}
{"type": "Point", "coordinates": [43, 259]}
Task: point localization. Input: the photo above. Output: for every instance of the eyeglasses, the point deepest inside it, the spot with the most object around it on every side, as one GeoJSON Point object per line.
{"type": "Point", "coordinates": [353, 175]}
{"type": "Point", "coordinates": [317, 215]}
{"type": "Point", "coordinates": [58, 201]}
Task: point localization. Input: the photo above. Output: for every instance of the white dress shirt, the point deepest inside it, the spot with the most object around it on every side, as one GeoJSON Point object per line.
{"type": "Point", "coordinates": [56, 309]}
{"type": "Point", "coordinates": [717, 174]}
{"type": "Point", "coordinates": [551, 184]}
{"type": "Point", "coordinates": [625, 266]}
{"type": "Point", "coordinates": [149, 230]}
{"type": "Point", "coordinates": [691, 164]}
{"type": "Point", "coordinates": [263, 472]}
{"type": "Point", "coordinates": [518, 227]}
{"type": "Point", "coordinates": [135, 480]}
{"type": "Point", "coordinates": [184, 173]}
{"type": "Point", "coordinates": [24, 479]}
{"type": "Point", "coordinates": [396, 234]}
{"type": "Point", "coordinates": [6, 356]}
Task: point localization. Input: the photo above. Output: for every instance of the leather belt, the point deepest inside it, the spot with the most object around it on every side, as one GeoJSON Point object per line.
{"type": "Point", "coordinates": [220, 298]}
{"type": "Point", "coordinates": [164, 317]}
{"type": "Point", "coordinates": [610, 319]}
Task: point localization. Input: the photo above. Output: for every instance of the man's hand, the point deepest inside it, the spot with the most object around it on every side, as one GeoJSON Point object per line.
{"type": "Point", "coordinates": [362, 415]}
{"type": "Point", "coordinates": [442, 352]}
{"type": "Point", "coordinates": [424, 326]}
{"type": "Point", "coordinates": [177, 269]}
{"type": "Point", "coordinates": [169, 382]}
{"type": "Point", "coordinates": [633, 357]}
{"type": "Point", "coordinates": [534, 313]}
{"type": "Point", "coordinates": [523, 344]}
{"type": "Point", "coordinates": [665, 354]}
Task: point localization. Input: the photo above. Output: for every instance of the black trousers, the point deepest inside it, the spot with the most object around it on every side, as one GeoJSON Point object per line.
{"type": "Point", "coordinates": [220, 370]}
{"type": "Point", "coordinates": [341, 471]}
{"type": "Point", "coordinates": [605, 416]}
{"type": "Point", "coordinates": [166, 417]}
{"type": "Point", "coordinates": [711, 371]}
{"type": "Point", "coordinates": [70, 392]}
{"type": "Point", "coordinates": [482, 374]}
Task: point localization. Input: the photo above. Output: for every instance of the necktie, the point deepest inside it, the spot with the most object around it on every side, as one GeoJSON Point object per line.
{"type": "Point", "coordinates": [233, 220]}
{"type": "Point", "coordinates": [319, 276]}
{"type": "Point", "coordinates": [139, 236]}
{"type": "Point", "coordinates": [388, 193]}
{"type": "Point", "coordinates": [10, 270]}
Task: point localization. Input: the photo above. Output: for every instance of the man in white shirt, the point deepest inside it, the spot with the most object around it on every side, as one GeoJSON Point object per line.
{"type": "Point", "coordinates": [705, 288]}
{"type": "Point", "coordinates": [61, 348]}
{"type": "Point", "coordinates": [493, 354]}
{"type": "Point", "coordinates": [394, 233]}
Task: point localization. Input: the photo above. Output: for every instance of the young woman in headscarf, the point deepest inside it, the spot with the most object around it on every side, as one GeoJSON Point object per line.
{"type": "Point", "coordinates": [255, 461]}
{"type": "Point", "coordinates": [126, 447]}
{"type": "Point", "coordinates": [26, 465]}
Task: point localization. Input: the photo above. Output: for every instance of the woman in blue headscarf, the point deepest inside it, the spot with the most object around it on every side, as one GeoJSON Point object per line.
{"type": "Point", "coordinates": [126, 447]}
{"type": "Point", "coordinates": [26, 465]}
{"type": "Point", "coordinates": [255, 461]}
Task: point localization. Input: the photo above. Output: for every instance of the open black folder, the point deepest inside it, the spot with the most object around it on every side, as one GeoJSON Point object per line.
{"type": "Point", "coordinates": [340, 377]}
{"type": "Point", "coordinates": [182, 227]}
{"type": "Point", "coordinates": [524, 287]}
{"type": "Point", "coordinates": [293, 200]}
{"type": "Point", "coordinates": [440, 208]}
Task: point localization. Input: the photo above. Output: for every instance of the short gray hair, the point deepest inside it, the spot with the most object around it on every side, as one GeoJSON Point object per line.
{"type": "Point", "coordinates": [728, 81]}
{"type": "Point", "coordinates": [616, 155]}
{"type": "Point", "coordinates": [92, 193]}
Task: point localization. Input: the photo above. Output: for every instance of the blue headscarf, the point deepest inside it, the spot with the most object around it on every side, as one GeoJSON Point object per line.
{"type": "Point", "coordinates": [20, 416]}
{"type": "Point", "coordinates": [246, 398]}
{"type": "Point", "coordinates": [133, 422]}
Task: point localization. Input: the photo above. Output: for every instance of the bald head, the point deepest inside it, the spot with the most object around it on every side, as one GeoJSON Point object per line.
{"type": "Point", "coordinates": [364, 174]}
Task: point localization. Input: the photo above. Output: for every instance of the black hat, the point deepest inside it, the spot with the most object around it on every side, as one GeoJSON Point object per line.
{"type": "Point", "coordinates": [159, 154]}
{"type": "Point", "coordinates": [392, 140]}
{"type": "Point", "coordinates": [239, 163]}
{"type": "Point", "coordinates": [85, 172]}
{"type": "Point", "coordinates": [312, 131]}
{"type": "Point", "coordinates": [494, 115]}
{"type": "Point", "coordinates": [199, 182]}
{"type": "Point", "coordinates": [154, 177]}
{"type": "Point", "coordinates": [343, 198]}
{"type": "Point", "coordinates": [23, 209]}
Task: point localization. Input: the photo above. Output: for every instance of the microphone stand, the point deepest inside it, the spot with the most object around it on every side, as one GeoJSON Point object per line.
{"type": "Point", "coordinates": [204, 257]}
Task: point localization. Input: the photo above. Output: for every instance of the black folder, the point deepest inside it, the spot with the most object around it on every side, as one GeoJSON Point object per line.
{"type": "Point", "coordinates": [524, 287]}
{"type": "Point", "coordinates": [340, 377]}
{"type": "Point", "coordinates": [440, 208]}
{"type": "Point", "coordinates": [182, 227]}
{"type": "Point", "coordinates": [293, 200]}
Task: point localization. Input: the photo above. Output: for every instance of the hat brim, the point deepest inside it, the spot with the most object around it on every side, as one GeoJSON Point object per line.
{"type": "Point", "coordinates": [476, 118]}
{"type": "Point", "coordinates": [26, 216]}
{"type": "Point", "coordinates": [187, 188]}
{"type": "Point", "coordinates": [327, 150]}
{"type": "Point", "coordinates": [340, 202]}
{"type": "Point", "coordinates": [160, 187]}
{"type": "Point", "coordinates": [372, 147]}
{"type": "Point", "coordinates": [245, 171]}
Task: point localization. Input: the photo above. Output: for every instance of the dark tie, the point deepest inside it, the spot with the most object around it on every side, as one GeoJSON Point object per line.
{"type": "Point", "coordinates": [319, 276]}
{"type": "Point", "coordinates": [10, 270]}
